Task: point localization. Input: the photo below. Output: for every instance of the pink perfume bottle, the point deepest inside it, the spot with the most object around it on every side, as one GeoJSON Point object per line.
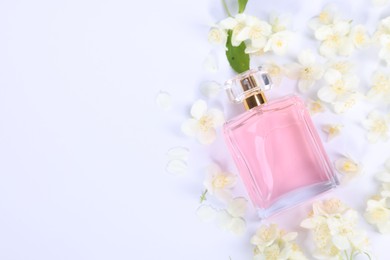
{"type": "Point", "coordinates": [275, 146]}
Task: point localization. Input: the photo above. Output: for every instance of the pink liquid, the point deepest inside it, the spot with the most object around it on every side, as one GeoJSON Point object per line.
{"type": "Point", "coordinates": [279, 155]}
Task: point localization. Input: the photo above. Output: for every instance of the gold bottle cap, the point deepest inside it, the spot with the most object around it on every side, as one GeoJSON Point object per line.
{"type": "Point", "coordinates": [248, 88]}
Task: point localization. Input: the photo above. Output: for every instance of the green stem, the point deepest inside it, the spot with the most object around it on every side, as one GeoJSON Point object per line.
{"type": "Point", "coordinates": [368, 255]}
{"type": "Point", "coordinates": [225, 7]}
{"type": "Point", "coordinates": [346, 254]}
{"type": "Point", "coordinates": [203, 196]}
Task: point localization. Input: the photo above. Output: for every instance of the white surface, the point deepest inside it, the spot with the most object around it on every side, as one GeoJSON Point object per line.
{"type": "Point", "coordinates": [82, 143]}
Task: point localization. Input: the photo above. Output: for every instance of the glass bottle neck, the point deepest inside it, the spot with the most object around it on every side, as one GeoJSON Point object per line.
{"type": "Point", "coordinates": [255, 100]}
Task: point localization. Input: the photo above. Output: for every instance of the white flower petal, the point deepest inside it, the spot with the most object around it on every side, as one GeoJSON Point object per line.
{"type": "Point", "coordinates": [190, 127]}
{"type": "Point", "coordinates": [346, 47]}
{"type": "Point", "coordinates": [206, 213]}
{"type": "Point", "coordinates": [314, 23]}
{"type": "Point", "coordinates": [240, 35]}
{"type": "Point", "coordinates": [342, 27]}
{"type": "Point", "coordinates": [178, 152]}
{"type": "Point", "coordinates": [217, 36]}
{"type": "Point", "coordinates": [332, 131]}
{"type": "Point", "coordinates": [224, 219]}
{"type": "Point", "coordinates": [213, 169]}
{"type": "Point", "coordinates": [373, 137]}
{"type": "Point", "coordinates": [383, 176]}
{"type": "Point", "coordinates": [326, 94]}
{"type": "Point", "coordinates": [342, 243]}
{"type": "Point", "coordinates": [217, 116]}
{"type": "Point", "coordinates": [377, 213]}
{"type": "Point", "coordinates": [228, 23]}
{"type": "Point", "coordinates": [340, 107]}
{"type": "Point", "coordinates": [237, 226]}
{"type": "Point", "coordinates": [317, 72]}
{"type": "Point", "coordinates": [207, 137]}
{"type": "Point", "coordinates": [176, 167]}
{"type": "Point", "coordinates": [305, 85]}
{"type": "Point", "coordinates": [308, 223]}
{"type": "Point", "coordinates": [379, 3]}
{"type": "Point", "coordinates": [279, 22]}
{"type": "Point", "coordinates": [346, 165]}
{"type": "Point", "coordinates": [198, 109]}
{"type": "Point", "coordinates": [253, 50]}
{"type": "Point", "coordinates": [164, 100]}
{"type": "Point", "coordinates": [293, 70]}
{"type": "Point", "coordinates": [384, 228]}
{"type": "Point", "coordinates": [223, 195]}
{"type": "Point", "coordinates": [259, 43]}
{"type": "Point", "coordinates": [290, 236]}
{"type": "Point", "coordinates": [377, 125]}
{"type": "Point", "coordinates": [386, 194]}
{"type": "Point", "coordinates": [210, 63]}
{"type": "Point", "coordinates": [237, 207]}
{"type": "Point", "coordinates": [278, 42]}
{"type": "Point", "coordinates": [315, 106]}
{"type": "Point", "coordinates": [359, 36]}
{"type": "Point", "coordinates": [387, 164]}
{"type": "Point", "coordinates": [331, 76]}
{"type": "Point", "coordinates": [327, 49]}
{"type": "Point", "coordinates": [323, 32]}
{"type": "Point", "coordinates": [210, 89]}
{"type": "Point", "coordinates": [306, 58]}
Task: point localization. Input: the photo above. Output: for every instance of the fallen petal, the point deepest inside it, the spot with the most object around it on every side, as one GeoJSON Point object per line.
{"type": "Point", "coordinates": [237, 226]}
{"type": "Point", "coordinates": [223, 219]}
{"type": "Point", "coordinates": [206, 213]}
{"type": "Point", "coordinates": [210, 89]}
{"type": "Point", "coordinates": [178, 153]}
{"type": "Point", "coordinates": [210, 63]}
{"type": "Point", "coordinates": [164, 100]}
{"type": "Point", "coordinates": [176, 167]}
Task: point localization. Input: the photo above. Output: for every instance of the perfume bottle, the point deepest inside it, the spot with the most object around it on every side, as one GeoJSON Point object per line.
{"type": "Point", "coordinates": [275, 146]}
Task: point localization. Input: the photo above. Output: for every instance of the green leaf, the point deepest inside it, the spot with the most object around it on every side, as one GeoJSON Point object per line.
{"type": "Point", "coordinates": [238, 59]}
{"type": "Point", "coordinates": [242, 5]}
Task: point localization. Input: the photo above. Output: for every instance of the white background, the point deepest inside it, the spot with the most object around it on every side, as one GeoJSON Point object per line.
{"type": "Point", "coordinates": [82, 142]}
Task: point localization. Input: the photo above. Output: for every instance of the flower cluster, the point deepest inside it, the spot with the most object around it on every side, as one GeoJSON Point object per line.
{"type": "Point", "coordinates": [380, 87]}
{"type": "Point", "coordinates": [337, 35]}
{"type": "Point", "coordinates": [341, 83]}
{"type": "Point", "coordinates": [307, 71]}
{"type": "Point", "coordinates": [230, 219]}
{"type": "Point", "coordinates": [334, 227]}
{"type": "Point", "coordinates": [259, 36]}
{"type": "Point", "coordinates": [219, 184]}
{"type": "Point", "coordinates": [272, 243]}
{"type": "Point", "coordinates": [203, 122]}
{"type": "Point", "coordinates": [378, 207]}
{"type": "Point", "coordinates": [382, 37]}
{"type": "Point", "coordinates": [341, 86]}
{"type": "Point", "coordinates": [377, 125]}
